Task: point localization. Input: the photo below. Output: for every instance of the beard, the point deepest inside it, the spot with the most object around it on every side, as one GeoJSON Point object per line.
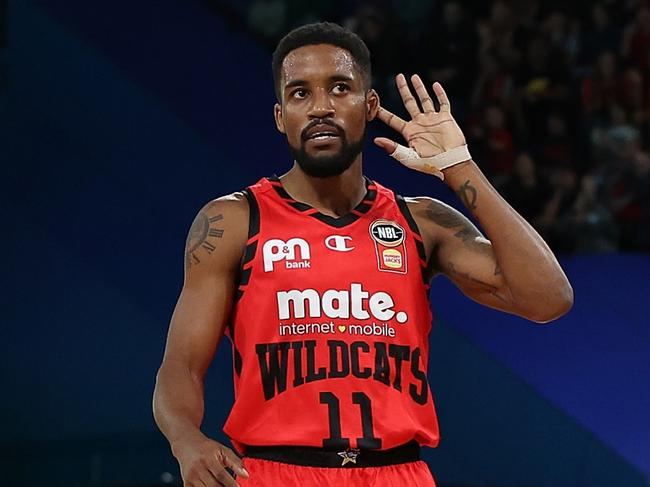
{"type": "Point", "coordinates": [329, 165]}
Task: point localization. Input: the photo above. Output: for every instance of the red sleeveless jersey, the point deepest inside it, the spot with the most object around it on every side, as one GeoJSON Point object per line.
{"type": "Point", "coordinates": [330, 328]}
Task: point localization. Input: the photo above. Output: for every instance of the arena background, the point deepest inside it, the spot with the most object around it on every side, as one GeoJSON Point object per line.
{"type": "Point", "coordinates": [119, 120]}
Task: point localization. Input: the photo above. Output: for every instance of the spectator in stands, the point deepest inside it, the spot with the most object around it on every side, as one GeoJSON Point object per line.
{"type": "Point", "coordinates": [497, 144]}
{"type": "Point", "coordinates": [563, 192]}
{"type": "Point", "coordinates": [494, 83]}
{"type": "Point", "coordinates": [543, 84]}
{"type": "Point", "coordinates": [455, 44]}
{"type": "Point", "coordinates": [602, 87]}
{"type": "Point", "coordinates": [588, 226]}
{"type": "Point", "coordinates": [600, 36]}
{"type": "Point", "coordinates": [556, 144]}
{"type": "Point", "coordinates": [629, 200]}
{"type": "Point", "coordinates": [614, 145]}
{"type": "Point", "coordinates": [634, 100]}
{"type": "Point", "coordinates": [525, 189]}
{"type": "Point", "coordinates": [504, 32]}
{"type": "Point", "coordinates": [562, 34]}
{"type": "Point", "coordinates": [636, 38]}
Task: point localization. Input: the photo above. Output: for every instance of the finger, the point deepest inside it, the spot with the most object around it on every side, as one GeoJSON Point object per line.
{"type": "Point", "coordinates": [407, 97]}
{"type": "Point", "coordinates": [202, 481]}
{"type": "Point", "coordinates": [231, 460]}
{"type": "Point", "coordinates": [423, 94]}
{"type": "Point", "coordinates": [388, 145]}
{"type": "Point", "coordinates": [211, 476]}
{"type": "Point", "coordinates": [199, 476]}
{"type": "Point", "coordinates": [225, 479]}
{"type": "Point", "coordinates": [219, 476]}
{"type": "Point", "coordinates": [390, 119]}
{"type": "Point", "coordinates": [445, 106]}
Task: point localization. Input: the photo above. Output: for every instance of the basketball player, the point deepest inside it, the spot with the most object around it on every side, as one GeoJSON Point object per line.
{"type": "Point", "coordinates": [320, 278]}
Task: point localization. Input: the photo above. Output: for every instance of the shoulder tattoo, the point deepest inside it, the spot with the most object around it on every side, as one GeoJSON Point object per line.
{"type": "Point", "coordinates": [202, 238]}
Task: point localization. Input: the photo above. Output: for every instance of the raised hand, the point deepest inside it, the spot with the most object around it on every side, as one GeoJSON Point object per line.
{"type": "Point", "coordinates": [429, 132]}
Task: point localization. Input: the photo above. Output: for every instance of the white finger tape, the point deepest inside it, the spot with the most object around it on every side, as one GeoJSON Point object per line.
{"type": "Point", "coordinates": [431, 165]}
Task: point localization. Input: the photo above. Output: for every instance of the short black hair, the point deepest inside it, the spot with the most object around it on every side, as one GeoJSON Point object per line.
{"type": "Point", "coordinates": [322, 33]}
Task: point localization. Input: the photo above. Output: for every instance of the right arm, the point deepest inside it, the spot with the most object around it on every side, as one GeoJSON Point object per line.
{"type": "Point", "coordinates": [213, 253]}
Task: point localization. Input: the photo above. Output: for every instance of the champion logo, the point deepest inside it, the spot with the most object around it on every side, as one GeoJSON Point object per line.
{"type": "Point", "coordinates": [338, 243]}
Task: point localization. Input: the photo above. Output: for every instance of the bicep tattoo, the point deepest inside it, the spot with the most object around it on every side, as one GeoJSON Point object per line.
{"type": "Point", "coordinates": [472, 280]}
{"type": "Point", "coordinates": [464, 230]}
{"type": "Point", "coordinates": [201, 239]}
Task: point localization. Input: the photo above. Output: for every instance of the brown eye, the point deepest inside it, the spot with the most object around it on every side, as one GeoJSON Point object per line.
{"type": "Point", "coordinates": [299, 93]}
{"type": "Point", "coordinates": [340, 88]}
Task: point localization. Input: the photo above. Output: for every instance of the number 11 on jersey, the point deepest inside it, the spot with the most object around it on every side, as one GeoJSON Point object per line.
{"type": "Point", "coordinates": [336, 440]}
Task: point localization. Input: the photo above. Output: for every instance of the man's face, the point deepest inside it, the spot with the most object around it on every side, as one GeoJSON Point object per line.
{"type": "Point", "coordinates": [324, 108]}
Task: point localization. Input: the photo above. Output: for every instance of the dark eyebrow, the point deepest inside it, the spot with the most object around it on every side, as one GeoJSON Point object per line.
{"type": "Point", "coordinates": [295, 82]}
{"type": "Point", "coordinates": [341, 77]}
{"type": "Point", "coordinates": [301, 82]}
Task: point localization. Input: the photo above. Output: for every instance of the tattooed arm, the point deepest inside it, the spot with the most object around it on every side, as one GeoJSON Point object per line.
{"type": "Point", "coordinates": [213, 252]}
{"type": "Point", "coordinates": [514, 271]}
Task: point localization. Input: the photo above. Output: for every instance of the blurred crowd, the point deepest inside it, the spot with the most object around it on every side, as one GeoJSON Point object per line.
{"type": "Point", "coordinates": [553, 97]}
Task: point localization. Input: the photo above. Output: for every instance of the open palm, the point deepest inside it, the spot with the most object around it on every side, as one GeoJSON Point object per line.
{"type": "Point", "coordinates": [429, 132]}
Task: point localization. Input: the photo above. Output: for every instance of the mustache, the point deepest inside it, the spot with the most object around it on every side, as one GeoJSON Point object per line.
{"type": "Point", "coordinates": [320, 121]}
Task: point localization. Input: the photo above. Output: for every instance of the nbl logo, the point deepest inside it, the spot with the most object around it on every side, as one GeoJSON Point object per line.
{"type": "Point", "coordinates": [387, 233]}
{"type": "Point", "coordinates": [275, 250]}
{"type": "Point", "coordinates": [389, 246]}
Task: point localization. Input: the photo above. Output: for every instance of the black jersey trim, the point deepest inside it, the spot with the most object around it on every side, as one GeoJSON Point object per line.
{"type": "Point", "coordinates": [425, 266]}
{"type": "Point", "coordinates": [237, 359]}
{"type": "Point", "coordinates": [245, 269]}
{"type": "Point", "coordinates": [254, 214]}
{"type": "Point", "coordinates": [249, 253]}
{"type": "Point", "coordinates": [338, 222]}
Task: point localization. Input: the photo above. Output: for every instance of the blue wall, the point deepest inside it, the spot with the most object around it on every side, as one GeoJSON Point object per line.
{"type": "Point", "coordinates": [116, 126]}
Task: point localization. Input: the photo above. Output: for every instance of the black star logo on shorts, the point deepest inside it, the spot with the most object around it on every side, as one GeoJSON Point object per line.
{"type": "Point", "coordinates": [349, 456]}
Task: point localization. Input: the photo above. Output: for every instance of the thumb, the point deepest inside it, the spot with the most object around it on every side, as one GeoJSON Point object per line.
{"type": "Point", "coordinates": [232, 461]}
{"type": "Point", "coordinates": [388, 145]}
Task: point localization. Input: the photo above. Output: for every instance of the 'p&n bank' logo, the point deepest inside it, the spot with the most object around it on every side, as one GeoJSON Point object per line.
{"type": "Point", "coordinates": [275, 250]}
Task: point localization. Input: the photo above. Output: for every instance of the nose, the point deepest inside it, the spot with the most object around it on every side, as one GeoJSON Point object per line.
{"type": "Point", "coordinates": [321, 106]}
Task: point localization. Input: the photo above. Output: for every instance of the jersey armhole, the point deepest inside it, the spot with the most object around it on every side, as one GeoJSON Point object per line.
{"type": "Point", "coordinates": [246, 266]}
{"type": "Point", "coordinates": [245, 269]}
{"type": "Point", "coordinates": [425, 266]}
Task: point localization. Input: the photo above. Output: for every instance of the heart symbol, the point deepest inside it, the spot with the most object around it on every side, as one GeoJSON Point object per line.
{"type": "Point", "coordinates": [342, 328]}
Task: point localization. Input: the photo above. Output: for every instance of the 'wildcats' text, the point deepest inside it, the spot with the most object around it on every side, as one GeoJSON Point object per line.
{"type": "Point", "coordinates": [343, 359]}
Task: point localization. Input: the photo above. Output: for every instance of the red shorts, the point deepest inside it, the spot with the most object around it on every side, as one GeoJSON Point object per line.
{"type": "Point", "coordinates": [268, 473]}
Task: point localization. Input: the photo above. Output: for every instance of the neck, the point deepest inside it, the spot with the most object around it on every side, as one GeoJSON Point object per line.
{"type": "Point", "coordinates": [334, 196]}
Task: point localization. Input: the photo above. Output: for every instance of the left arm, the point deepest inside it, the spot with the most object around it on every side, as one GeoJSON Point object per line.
{"type": "Point", "coordinates": [514, 271]}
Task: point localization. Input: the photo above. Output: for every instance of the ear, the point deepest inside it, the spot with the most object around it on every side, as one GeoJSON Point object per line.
{"type": "Point", "coordinates": [372, 104]}
{"type": "Point", "coordinates": [279, 122]}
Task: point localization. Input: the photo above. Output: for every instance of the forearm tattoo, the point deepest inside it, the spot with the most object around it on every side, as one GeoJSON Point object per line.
{"type": "Point", "coordinates": [468, 194]}
{"type": "Point", "coordinates": [201, 238]}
